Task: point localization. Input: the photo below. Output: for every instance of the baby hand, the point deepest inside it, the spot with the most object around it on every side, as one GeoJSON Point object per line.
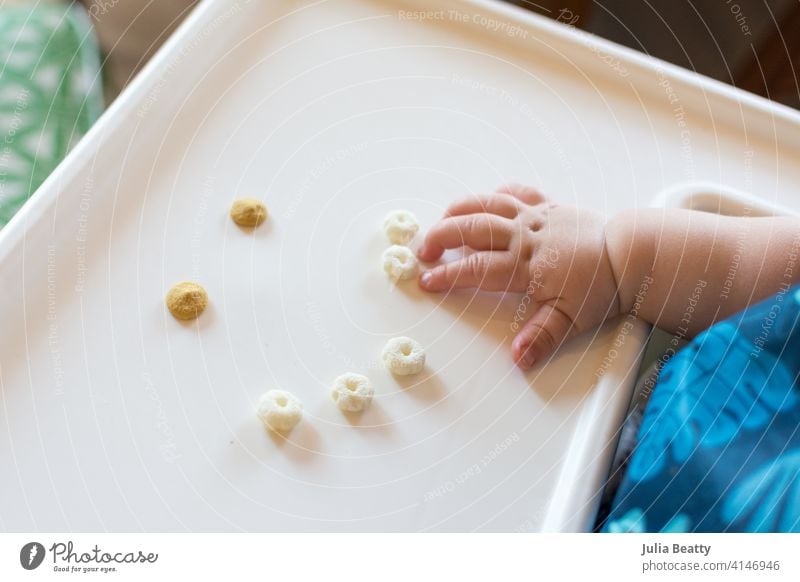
{"type": "Point", "coordinates": [523, 243]}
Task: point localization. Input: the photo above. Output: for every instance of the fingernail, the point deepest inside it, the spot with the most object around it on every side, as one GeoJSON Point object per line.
{"type": "Point", "coordinates": [528, 358]}
{"type": "Point", "coordinates": [425, 279]}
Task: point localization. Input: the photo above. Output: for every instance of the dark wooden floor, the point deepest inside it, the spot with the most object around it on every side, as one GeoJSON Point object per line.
{"type": "Point", "coordinates": [752, 44]}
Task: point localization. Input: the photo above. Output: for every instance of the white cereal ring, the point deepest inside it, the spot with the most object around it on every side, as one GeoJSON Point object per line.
{"type": "Point", "coordinates": [352, 392]}
{"type": "Point", "coordinates": [399, 262]}
{"type": "Point", "coordinates": [400, 226]}
{"type": "Point", "coordinates": [279, 410]}
{"type": "Point", "coordinates": [403, 356]}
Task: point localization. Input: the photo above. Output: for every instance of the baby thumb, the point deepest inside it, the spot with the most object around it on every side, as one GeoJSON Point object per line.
{"type": "Point", "coordinates": [546, 329]}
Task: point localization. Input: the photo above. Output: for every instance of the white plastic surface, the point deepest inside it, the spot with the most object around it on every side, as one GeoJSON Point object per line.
{"type": "Point", "coordinates": [718, 199]}
{"type": "Point", "coordinates": [117, 417]}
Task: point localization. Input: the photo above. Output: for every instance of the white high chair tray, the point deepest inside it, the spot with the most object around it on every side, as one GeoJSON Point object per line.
{"type": "Point", "coordinates": [117, 417]}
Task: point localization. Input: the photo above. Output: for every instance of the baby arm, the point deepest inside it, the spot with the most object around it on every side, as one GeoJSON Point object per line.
{"type": "Point", "coordinates": [723, 263]}
{"type": "Point", "coordinates": [579, 269]}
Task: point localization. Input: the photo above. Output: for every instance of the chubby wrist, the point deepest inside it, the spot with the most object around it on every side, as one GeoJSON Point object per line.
{"type": "Point", "coordinates": [630, 248]}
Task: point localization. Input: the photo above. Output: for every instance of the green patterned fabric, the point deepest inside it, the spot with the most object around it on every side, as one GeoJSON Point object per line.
{"type": "Point", "coordinates": [50, 94]}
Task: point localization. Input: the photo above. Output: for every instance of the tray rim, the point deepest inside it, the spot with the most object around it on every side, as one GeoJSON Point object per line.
{"type": "Point", "coordinates": [568, 510]}
{"type": "Point", "coordinates": [688, 194]}
{"type": "Point", "coordinates": [579, 42]}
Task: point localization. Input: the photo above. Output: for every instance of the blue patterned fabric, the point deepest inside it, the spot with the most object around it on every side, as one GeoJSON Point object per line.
{"type": "Point", "coordinates": [719, 445]}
